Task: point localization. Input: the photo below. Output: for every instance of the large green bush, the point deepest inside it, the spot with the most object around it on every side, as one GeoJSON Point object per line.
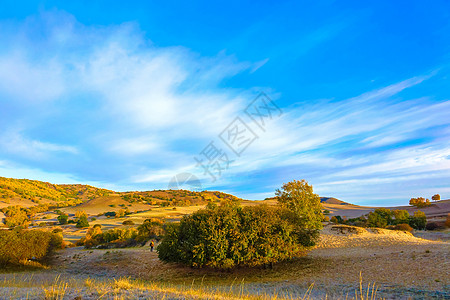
{"type": "Point", "coordinates": [418, 220]}
{"type": "Point", "coordinates": [17, 246]}
{"type": "Point", "coordinates": [228, 236]}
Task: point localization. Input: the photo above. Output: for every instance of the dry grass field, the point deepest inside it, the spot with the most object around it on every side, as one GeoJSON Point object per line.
{"type": "Point", "coordinates": [392, 264]}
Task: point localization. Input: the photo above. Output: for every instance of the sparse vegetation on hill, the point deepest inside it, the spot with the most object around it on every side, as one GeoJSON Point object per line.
{"type": "Point", "coordinates": [58, 195]}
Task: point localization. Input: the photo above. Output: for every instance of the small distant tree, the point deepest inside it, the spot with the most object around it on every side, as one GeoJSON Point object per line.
{"type": "Point", "coordinates": [381, 217]}
{"type": "Point", "coordinates": [337, 219]}
{"type": "Point", "coordinates": [82, 222]}
{"type": "Point", "coordinates": [79, 214]}
{"type": "Point", "coordinates": [110, 214]}
{"type": "Point", "coordinates": [376, 220]}
{"type": "Point", "coordinates": [62, 219]}
{"type": "Point", "coordinates": [419, 202]}
{"type": "Point", "coordinates": [418, 220]}
{"type": "Point", "coordinates": [120, 213]}
{"type": "Point", "coordinates": [150, 229]}
{"type": "Point", "coordinates": [436, 197]}
{"type": "Point", "coordinates": [401, 216]}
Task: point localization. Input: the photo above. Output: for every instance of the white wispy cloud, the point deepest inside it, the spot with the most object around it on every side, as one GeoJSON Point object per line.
{"type": "Point", "coordinates": [112, 108]}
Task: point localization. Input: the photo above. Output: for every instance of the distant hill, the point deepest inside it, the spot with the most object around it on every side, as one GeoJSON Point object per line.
{"type": "Point", "coordinates": [27, 193]}
{"type": "Point", "coordinates": [331, 200]}
{"type": "Point", "coordinates": [92, 200]}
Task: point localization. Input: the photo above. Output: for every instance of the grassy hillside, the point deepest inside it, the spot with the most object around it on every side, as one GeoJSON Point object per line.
{"type": "Point", "coordinates": [27, 193]}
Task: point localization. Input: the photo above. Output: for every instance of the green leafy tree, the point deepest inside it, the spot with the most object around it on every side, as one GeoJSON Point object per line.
{"type": "Point", "coordinates": [82, 222]}
{"type": "Point", "coordinates": [150, 229]}
{"type": "Point", "coordinates": [386, 214]}
{"type": "Point", "coordinates": [376, 220]}
{"type": "Point", "coordinates": [401, 216]}
{"type": "Point", "coordinates": [62, 219]}
{"type": "Point", "coordinates": [298, 197]}
{"type": "Point", "coordinates": [418, 220]}
{"type": "Point", "coordinates": [337, 219]}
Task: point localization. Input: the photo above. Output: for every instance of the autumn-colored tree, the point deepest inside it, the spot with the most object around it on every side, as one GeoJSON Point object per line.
{"type": "Point", "coordinates": [120, 213]}
{"type": "Point", "coordinates": [80, 213]}
{"type": "Point", "coordinates": [16, 216]}
{"type": "Point", "coordinates": [419, 202]}
{"type": "Point", "coordinates": [436, 197]}
{"type": "Point", "coordinates": [18, 246]}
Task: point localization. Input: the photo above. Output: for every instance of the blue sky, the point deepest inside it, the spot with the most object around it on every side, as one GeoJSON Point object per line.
{"type": "Point", "coordinates": [127, 96]}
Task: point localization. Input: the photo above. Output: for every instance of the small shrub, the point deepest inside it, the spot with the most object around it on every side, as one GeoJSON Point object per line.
{"type": "Point", "coordinates": [57, 230]}
{"type": "Point", "coordinates": [401, 227]}
{"type": "Point", "coordinates": [82, 222]}
{"type": "Point", "coordinates": [418, 220]}
{"type": "Point", "coordinates": [62, 219]}
{"type": "Point", "coordinates": [432, 226]}
{"type": "Point", "coordinates": [110, 214]}
{"type": "Point", "coordinates": [128, 222]}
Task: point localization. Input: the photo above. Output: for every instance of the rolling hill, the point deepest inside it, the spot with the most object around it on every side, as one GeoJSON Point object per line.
{"type": "Point", "coordinates": [94, 201]}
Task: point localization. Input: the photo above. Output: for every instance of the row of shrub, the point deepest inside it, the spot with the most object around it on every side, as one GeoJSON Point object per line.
{"type": "Point", "coordinates": [18, 246]}
{"type": "Point", "coordinates": [386, 218]}
{"type": "Point", "coordinates": [123, 237]}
